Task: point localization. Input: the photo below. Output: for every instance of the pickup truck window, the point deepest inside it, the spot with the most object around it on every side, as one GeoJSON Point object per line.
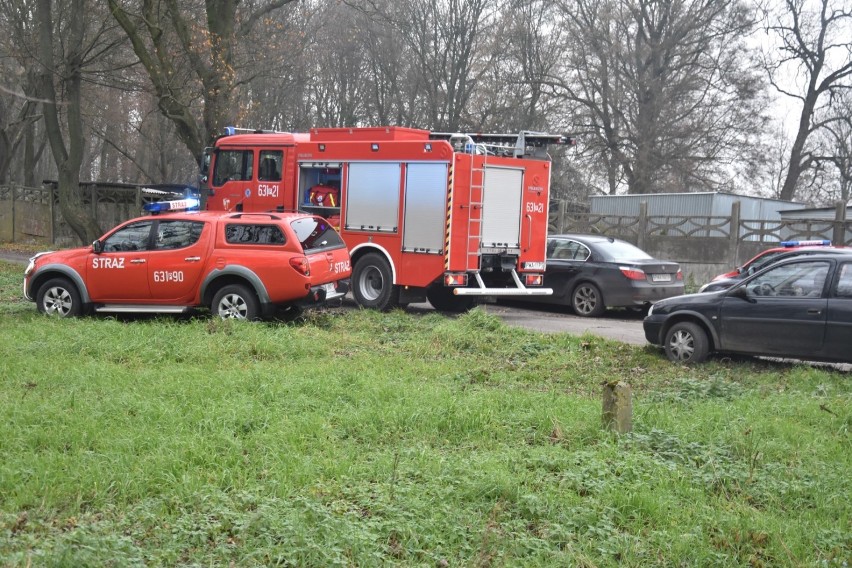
{"type": "Point", "coordinates": [254, 234]}
{"type": "Point", "coordinates": [316, 233]}
{"type": "Point", "coordinates": [177, 234]}
{"type": "Point", "coordinates": [132, 237]}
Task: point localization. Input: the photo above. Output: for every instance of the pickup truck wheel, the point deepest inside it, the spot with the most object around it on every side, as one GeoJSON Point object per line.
{"type": "Point", "coordinates": [443, 299]}
{"type": "Point", "coordinates": [59, 297]}
{"type": "Point", "coordinates": [687, 343]}
{"type": "Point", "coordinates": [587, 300]}
{"type": "Point", "coordinates": [236, 301]}
{"type": "Point", "coordinates": [372, 283]}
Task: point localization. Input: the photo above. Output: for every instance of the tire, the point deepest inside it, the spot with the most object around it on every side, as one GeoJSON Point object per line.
{"type": "Point", "coordinates": [372, 283]}
{"type": "Point", "coordinates": [58, 297]}
{"type": "Point", "coordinates": [686, 343]}
{"type": "Point", "coordinates": [587, 300]}
{"type": "Point", "coordinates": [443, 299]}
{"type": "Point", "coordinates": [236, 301]}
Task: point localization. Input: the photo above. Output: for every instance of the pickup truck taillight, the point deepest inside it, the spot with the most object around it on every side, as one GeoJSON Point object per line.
{"type": "Point", "coordinates": [301, 264]}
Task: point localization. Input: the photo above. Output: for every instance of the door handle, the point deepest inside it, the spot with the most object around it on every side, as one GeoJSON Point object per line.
{"type": "Point", "coordinates": [137, 261]}
{"type": "Point", "coordinates": [192, 258]}
{"type": "Point", "coordinates": [814, 312]}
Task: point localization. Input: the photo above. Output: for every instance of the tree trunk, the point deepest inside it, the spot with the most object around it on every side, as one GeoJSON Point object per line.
{"type": "Point", "coordinates": [68, 159]}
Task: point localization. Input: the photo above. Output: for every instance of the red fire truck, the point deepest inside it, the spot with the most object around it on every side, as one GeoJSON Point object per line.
{"type": "Point", "coordinates": [445, 217]}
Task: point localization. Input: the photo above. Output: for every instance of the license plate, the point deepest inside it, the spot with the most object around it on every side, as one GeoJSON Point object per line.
{"type": "Point", "coordinates": [661, 277]}
{"type": "Point", "coordinates": [329, 288]}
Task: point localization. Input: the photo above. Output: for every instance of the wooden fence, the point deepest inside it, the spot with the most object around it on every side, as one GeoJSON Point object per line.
{"type": "Point", "coordinates": [32, 213]}
{"type": "Point", "coordinates": [704, 245]}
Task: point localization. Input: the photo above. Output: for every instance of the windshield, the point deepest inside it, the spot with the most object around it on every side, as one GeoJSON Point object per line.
{"type": "Point", "coordinates": [618, 251]}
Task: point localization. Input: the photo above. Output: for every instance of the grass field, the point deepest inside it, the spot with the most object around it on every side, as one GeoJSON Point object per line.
{"type": "Point", "coordinates": [354, 438]}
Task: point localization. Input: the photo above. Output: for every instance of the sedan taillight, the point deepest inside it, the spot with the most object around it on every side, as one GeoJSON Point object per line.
{"type": "Point", "coordinates": [301, 264]}
{"type": "Point", "coordinates": [679, 275]}
{"type": "Point", "coordinates": [632, 273]}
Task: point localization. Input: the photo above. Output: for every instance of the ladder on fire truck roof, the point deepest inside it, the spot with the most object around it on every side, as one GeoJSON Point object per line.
{"type": "Point", "coordinates": [525, 143]}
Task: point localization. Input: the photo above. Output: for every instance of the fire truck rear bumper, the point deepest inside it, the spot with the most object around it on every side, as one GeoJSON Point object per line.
{"type": "Point", "coordinates": [503, 291]}
{"type": "Point", "coordinates": [518, 290]}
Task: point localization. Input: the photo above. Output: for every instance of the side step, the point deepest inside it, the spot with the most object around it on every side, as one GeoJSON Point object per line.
{"type": "Point", "coordinates": [141, 309]}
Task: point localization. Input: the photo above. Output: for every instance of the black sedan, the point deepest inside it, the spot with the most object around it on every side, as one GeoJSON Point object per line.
{"type": "Point", "coordinates": [593, 272]}
{"type": "Point", "coordinates": [799, 308]}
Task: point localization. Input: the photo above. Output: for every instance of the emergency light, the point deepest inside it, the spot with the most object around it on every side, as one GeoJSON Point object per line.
{"type": "Point", "coordinates": [819, 243]}
{"type": "Point", "coordinates": [188, 204]}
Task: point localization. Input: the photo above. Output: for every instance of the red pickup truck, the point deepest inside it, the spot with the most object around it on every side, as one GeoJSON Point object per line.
{"type": "Point", "coordinates": [240, 265]}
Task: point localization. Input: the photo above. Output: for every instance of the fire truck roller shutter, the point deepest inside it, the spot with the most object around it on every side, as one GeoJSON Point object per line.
{"type": "Point", "coordinates": [425, 208]}
{"type": "Point", "coordinates": [372, 197]}
{"type": "Point", "coordinates": [501, 207]}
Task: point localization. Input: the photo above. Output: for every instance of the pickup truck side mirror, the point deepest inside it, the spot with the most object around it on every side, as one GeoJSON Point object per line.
{"type": "Point", "coordinates": [97, 247]}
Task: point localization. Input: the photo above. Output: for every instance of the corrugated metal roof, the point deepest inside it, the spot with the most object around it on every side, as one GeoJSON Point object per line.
{"type": "Point", "coordinates": [713, 204]}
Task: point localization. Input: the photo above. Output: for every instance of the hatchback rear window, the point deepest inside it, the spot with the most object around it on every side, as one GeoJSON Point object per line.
{"type": "Point", "coordinates": [315, 233]}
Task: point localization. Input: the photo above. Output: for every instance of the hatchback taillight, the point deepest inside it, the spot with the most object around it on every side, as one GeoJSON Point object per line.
{"type": "Point", "coordinates": [301, 264]}
{"type": "Point", "coordinates": [632, 273]}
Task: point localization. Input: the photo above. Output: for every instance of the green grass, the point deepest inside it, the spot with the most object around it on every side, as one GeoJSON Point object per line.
{"type": "Point", "coordinates": [359, 438]}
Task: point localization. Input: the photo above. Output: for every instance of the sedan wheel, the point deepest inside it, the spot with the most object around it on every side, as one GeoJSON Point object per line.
{"type": "Point", "coordinates": [587, 300]}
{"type": "Point", "coordinates": [686, 343]}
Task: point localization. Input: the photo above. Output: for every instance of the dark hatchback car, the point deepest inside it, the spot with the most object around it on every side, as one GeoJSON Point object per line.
{"type": "Point", "coordinates": [755, 266]}
{"type": "Point", "coordinates": [799, 308]}
{"type": "Point", "coordinates": [593, 272]}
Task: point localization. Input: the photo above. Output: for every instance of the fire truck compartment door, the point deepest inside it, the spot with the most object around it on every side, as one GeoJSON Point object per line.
{"type": "Point", "coordinates": [425, 208]}
{"type": "Point", "coordinates": [501, 207]}
{"type": "Point", "coordinates": [372, 197]}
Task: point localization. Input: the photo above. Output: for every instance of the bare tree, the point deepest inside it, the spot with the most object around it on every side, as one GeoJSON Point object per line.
{"type": "Point", "coordinates": [191, 52]}
{"type": "Point", "coordinates": [444, 40]}
{"type": "Point", "coordinates": [84, 39]}
{"type": "Point", "coordinates": [665, 88]}
{"type": "Point", "coordinates": [815, 38]}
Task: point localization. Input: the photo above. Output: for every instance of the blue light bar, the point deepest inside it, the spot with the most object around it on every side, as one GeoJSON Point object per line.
{"type": "Point", "coordinates": [188, 204]}
{"type": "Point", "coordinates": [817, 243]}
{"type": "Point", "coordinates": [230, 131]}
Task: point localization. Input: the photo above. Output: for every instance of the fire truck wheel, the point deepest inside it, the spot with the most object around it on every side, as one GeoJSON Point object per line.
{"type": "Point", "coordinates": [235, 301]}
{"type": "Point", "coordinates": [587, 300]}
{"type": "Point", "coordinates": [372, 283]}
{"type": "Point", "coordinates": [59, 297]}
{"type": "Point", "coordinates": [443, 299]}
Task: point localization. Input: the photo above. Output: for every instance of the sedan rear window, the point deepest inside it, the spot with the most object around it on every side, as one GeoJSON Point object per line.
{"type": "Point", "coordinates": [618, 251]}
{"type": "Point", "coordinates": [315, 233]}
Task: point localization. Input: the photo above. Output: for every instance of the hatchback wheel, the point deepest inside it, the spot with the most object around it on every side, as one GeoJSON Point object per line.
{"type": "Point", "coordinates": [235, 302]}
{"type": "Point", "coordinates": [687, 343]}
{"type": "Point", "coordinates": [587, 300]}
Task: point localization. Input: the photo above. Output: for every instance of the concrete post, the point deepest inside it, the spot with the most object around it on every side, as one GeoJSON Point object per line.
{"type": "Point", "coordinates": [642, 230]}
{"type": "Point", "coordinates": [617, 407]}
{"type": "Point", "coordinates": [838, 235]}
{"type": "Point", "coordinates": [734, 234]}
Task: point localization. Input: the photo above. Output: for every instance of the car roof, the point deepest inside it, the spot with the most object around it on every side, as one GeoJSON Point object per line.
{"type": "Point", "coordinates": [825, 255]}
{"type": "Point", "coordinates": [585, 239]}
{"type": "Point", "coordinates": [236, 215]}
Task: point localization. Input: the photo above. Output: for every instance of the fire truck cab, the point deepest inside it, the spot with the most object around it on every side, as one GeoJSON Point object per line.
{"type": "Point", "coordinates": [448, 217]}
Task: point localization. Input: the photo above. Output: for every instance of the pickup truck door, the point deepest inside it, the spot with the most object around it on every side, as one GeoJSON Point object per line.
{"type": "Point", "coordinates": [178, 258]}
{"type": "Point", "coordinates": [120, 272]}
